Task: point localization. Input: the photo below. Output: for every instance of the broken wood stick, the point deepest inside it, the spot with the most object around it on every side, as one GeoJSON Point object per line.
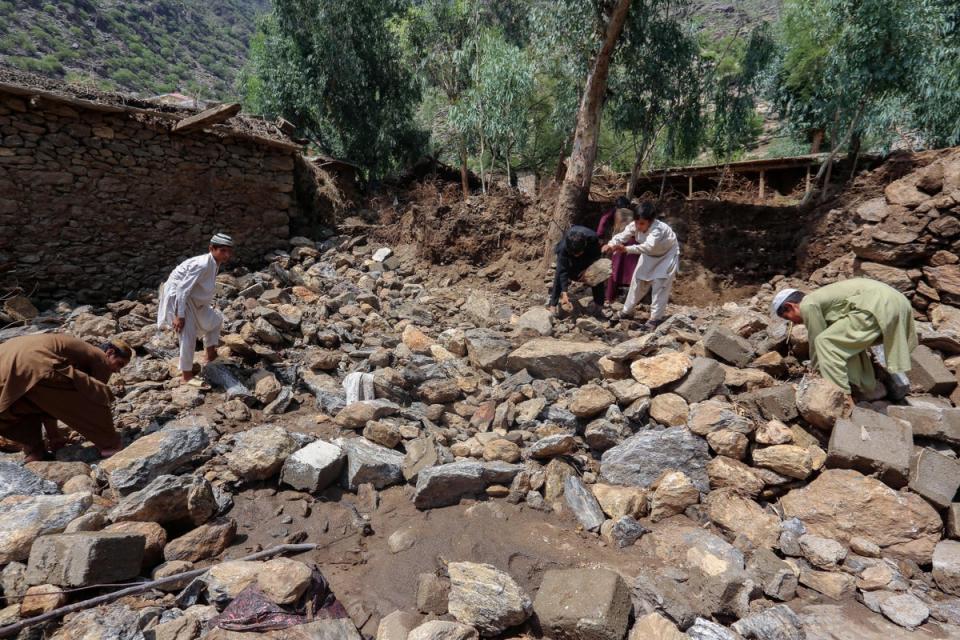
{"type": "Point", "coordinates": [214, 115]}
{"type": "Point", "coordinates": [13, 629]}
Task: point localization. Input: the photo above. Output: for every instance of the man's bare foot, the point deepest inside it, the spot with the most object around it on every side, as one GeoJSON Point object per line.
{"type": "Point", "coordinates": [187, 376]}
{"type": "Point", "coordinates": [211, 354]}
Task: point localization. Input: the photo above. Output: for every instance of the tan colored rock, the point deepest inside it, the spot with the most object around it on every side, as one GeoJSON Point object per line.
{"type": "Point", "coordinates": [773, 432]}
{"type": "Point", "coordinates": [228, 579]}
{"type": "Point", "coordinates": [59, 472]}
{"type": "Point", "coordinates": [875, 577]}
{"type": "Point", "coordinates": [617, 501]}
{"type": "Point", "coordinates": [729, 443]}
{"type": "Point", "coordinates": [613, 369]}
{"type": "Point", "coordinates": [168, 569]}
{"type": "Point", "coordinates": [714, 415]}
{"type": "Point", "coordinates": [741, 515]}
{"type": "Point", "coordinates": [728, 473]}
{"type": "Point", "coordinates": [669, 409]}
{"type": "Point", "coordinates": [267, 388]}
{"type": "Point", "coordinates": [283, 580]}
{"type": "Point", "coordinates": [24, 518]}
{"type": "Point", "coordinates": [833, 584]}
{"type": "Point", "coordinates": [501, 449]}
{"type": "Point", "coordinates": [820, 402]}
{"type": "Point", "coordinates": [204, 542]}
{"type": "Point", "coordinates": [591, 400]}
{"type": "Point", "coordinates": [654, 626]}
{"type": "Point", "coordinates": [80, 484]}
{"type": "Point", "coordinates": [486, 598]}
{"type": "Point", "coordinates": [41, 599]}
{"type": "Point", "coordinates": [660, 370]}
{"type": "Point", "coordinates": [416, 340]}
{"type": "Point", "coordinates": [674, 493]}
{"type": "Point", "coordinates": [748, 379]}
{"type": "Point", "coordinates": [786, 459]}
{"type": "Point", "coordinates": [841, 504]}
{"type": "Point", "coordinates": [383, 433]}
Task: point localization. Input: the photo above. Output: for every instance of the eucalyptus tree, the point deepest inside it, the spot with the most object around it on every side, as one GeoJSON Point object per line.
{"type": "Point", "coordinates": [334, 69]}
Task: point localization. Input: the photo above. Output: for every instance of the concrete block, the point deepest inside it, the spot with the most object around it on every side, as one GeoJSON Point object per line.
{"type": "Point", "coordinates": [728, 346]}
{"type": "Point", "coordinates": [871, 442]}
{"type": "Point", "coordinates": [930, 422]}
{"type": "Point", "coordinates": [935, 477]}
{"type": "Point", "coordinates": [775, 403]}
{"type": "Point", "coordinates": [583, 604]}
{"type": "Point", "coordinates": [704, 377]}
{"type": "Point", "coordinates": [83, 559]}
{"type": "Point", "coordinates": [928, 374]}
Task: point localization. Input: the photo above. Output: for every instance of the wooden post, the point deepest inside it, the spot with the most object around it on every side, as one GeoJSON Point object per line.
{"type": "Point", "coordinates": [807, 190]}
{"type": "Point", "coordinates": [207, 118]}
{"type": "Point", "coordinates": [763, 185]}
{"type": "Point", "coordinates": [690, 187]}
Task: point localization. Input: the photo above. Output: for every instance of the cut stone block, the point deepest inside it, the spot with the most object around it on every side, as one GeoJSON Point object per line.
{"type": "Point", "coordinates": [728, 346]}
{"type": "Point", "coordinates": [83, 559]}
{"type": "Point", "coordinates": [871, 442]}
{"type": "Point", "coordinates": [775, 403]}
{"type": "Point", "coordinates": [583, 604]}
{"type": "Point", "coordinates": [928, 374]}
{"type": "Point", "coordinates": [946, 566]}
{"type": "Point", "coordinates": [930, 422]}
{"type": "Point", "coordinates": [703, 379]}
{"type": "Point", "coordinates": [935, 476]}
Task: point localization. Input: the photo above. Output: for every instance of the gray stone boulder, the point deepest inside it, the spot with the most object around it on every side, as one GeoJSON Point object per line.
{"type": "Point", "coordinates": [156, 454]}
{"type": "Point", "coordinates": [83, 559]}
{"type": "Point", "coordinates": [259, 454]}
{"type": "Point", "coordinates": [486, 598]}
{"type": "Point", "coordinates": [314, 467]}
{"type": "Point", "coordinates": [574, 362]}
{"type": "Point", "coordinates": [446, 484]}
{"type": "Point", "coordinates": [169, 499]}
{"type": "Point", "coordinates": [17, 481]}
{"type": "Point", "coordinates": [24, 519]}
{"type": "Point", "coordinates": [369, 463]}
{"type": "Point", "coordinates": [641, 459]}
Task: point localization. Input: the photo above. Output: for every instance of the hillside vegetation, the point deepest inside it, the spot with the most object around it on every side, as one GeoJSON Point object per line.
{"type": "Point", "coordinates": [142, 46]}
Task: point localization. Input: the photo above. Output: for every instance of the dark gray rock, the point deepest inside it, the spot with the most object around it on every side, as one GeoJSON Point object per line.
{"type": "Point", "coordinates": [446, 484]}
{"type": "Point", "coordinates": [17, 481]}
{"type": "Point", "coordinates": [640, 459]}
{"type": "Point", "coordinates": [369, 463]}
{"type": "Point", "coordinates": [83, 559]}
{"type": "Point", "coordinates": [778, 622]}
{"type": "Point", "coordinates": [871, 442]}
{"type": "Point", "coordinates": [705, 376]}
{"type": "Point", "coordinates": [584, 506]}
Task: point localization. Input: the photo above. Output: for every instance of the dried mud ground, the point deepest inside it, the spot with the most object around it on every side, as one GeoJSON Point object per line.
{"type": "Point", "coordinates": [372, 581]}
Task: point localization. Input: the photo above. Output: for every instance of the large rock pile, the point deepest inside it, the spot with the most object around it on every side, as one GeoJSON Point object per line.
{"type": "Point", "coordinates": [701, 446]}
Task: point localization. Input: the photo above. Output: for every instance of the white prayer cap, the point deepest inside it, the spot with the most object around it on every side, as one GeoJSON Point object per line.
{"type": "Point", "coordinates": [221, 240]}
{"type": "Point", "coordinates": [779, 299]}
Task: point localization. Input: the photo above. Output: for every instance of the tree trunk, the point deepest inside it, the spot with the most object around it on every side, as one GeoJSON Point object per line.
{"type": "Point", "coordinates": [817, 141]}
{"type": "Point", "coordinates": [575, 188]}
{"type": "Point", "coordinates": [828, 163]}
{"type": "Point", "coordinates": [464, 171]}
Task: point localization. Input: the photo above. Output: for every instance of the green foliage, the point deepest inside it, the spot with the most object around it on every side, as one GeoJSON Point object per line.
{"type": "Point", "coordinates": [843, 64]}
{"type": "Point", "coordinates": [334, 68]}
{"type": "Point", "coordinates": [735, 121]}
{"type": "Point", "coordinates": [935, 87]}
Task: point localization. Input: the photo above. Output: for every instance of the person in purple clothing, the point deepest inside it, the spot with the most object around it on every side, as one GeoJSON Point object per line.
{"type": "Point", "coordinates": [613, 221]}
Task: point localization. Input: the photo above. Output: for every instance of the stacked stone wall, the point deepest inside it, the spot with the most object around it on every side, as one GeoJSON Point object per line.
{"type": "Point", "coordinates": [95, 205]}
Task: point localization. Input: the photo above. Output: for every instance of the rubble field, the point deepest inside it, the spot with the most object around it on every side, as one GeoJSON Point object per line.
{"type": "Point", "coordinates": [462, 464]}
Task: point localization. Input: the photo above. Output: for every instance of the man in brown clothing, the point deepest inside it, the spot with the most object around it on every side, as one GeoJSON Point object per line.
{"type": "Point", "coordinates": [54, 376]}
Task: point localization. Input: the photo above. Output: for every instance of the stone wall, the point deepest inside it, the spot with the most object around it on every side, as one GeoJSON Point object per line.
{"type": "Point", "coordinates": [95, 205]}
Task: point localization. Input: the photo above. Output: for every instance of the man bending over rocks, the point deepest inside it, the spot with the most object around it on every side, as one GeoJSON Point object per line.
{"type": "Point", "coordinates": [186, 302]}
{"type": "Point", "coordinates": [844, 320]}
{"type": "Point", "coordinates": [50, 377]}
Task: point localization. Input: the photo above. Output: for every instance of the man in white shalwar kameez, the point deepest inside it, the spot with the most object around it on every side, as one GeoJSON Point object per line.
{"type": "Point", "coordinates": [186, 302]}
{"type": "Point", "coordinates": [659, 251]}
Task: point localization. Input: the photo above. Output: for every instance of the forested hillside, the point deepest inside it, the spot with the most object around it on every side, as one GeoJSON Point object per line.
{"type": "Point", "coordinates": [143, 46]}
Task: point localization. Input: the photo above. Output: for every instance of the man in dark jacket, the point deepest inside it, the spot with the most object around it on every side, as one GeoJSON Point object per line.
{"type": "Point", "coordinates": [579, 249]}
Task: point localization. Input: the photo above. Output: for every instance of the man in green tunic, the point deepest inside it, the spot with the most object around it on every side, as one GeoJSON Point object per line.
{"type": "Point", "coordinates": [844, 320]}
